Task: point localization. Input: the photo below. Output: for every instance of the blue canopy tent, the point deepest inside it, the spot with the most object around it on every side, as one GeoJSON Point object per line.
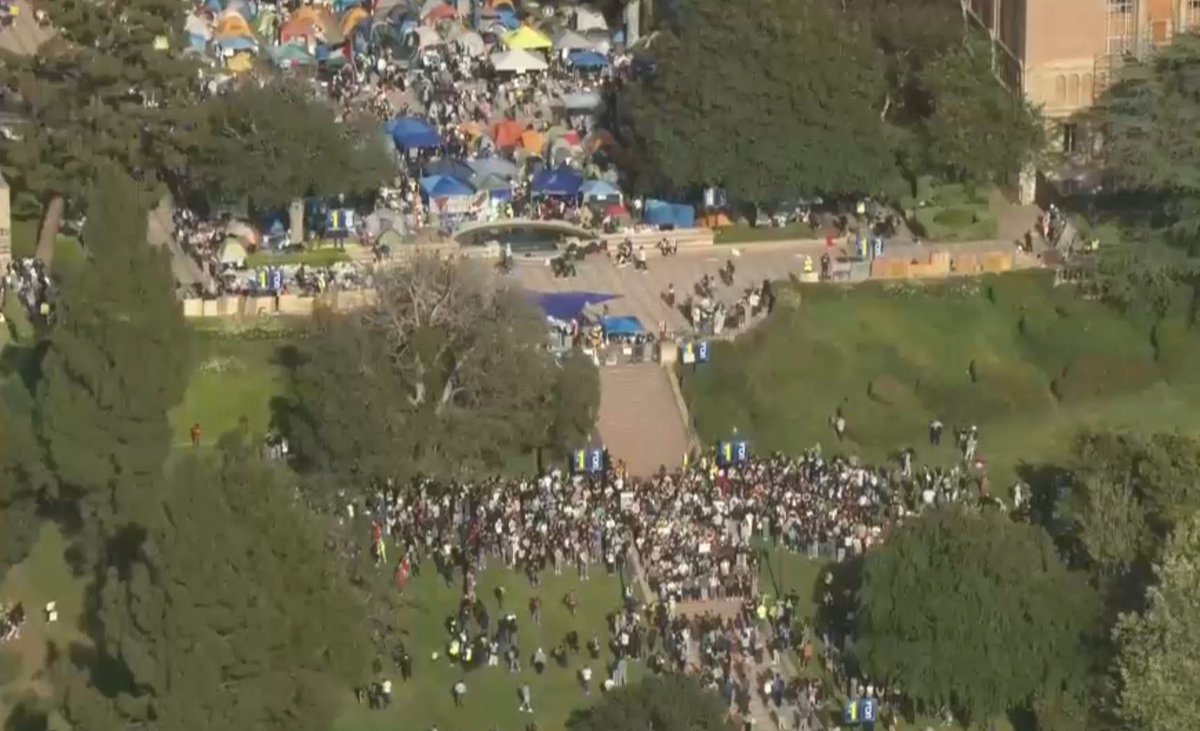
{"type": "Point", "coordinates": [567, 306]}
{"type": "Point", "coordinates": [451, 168]}
{"type": "Point", "coordinates": [497, 166]}
{"type": "Point", "coordinates": [561, 181]}
{"type": "Point", "coordinates": [444, 186]}
{"type": "Point", "coordinates": [662, 213]}
{"type": "Point", "coordinates": [275, 223]}
{"type": "Point", "coordinates": [495, 186]}
{"type": "Point", "coordinates": [587, 59]}
{"type": "Point", "coordinates": [599, 190]}
{"type": "Point", "coordinates": [413, 133]}
{"type": "Point", "coordinates": [622, 327]}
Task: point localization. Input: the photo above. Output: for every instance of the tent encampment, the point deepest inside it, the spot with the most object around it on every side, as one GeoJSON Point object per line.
{"type": "Point", "coordinates": [662, 213]}
{"type": "Point", "coordinates": [232, 253]}
{"type": "Point", "coordinates": [587, 19]}
{"type": "Point", "coordinates": [496, 166]}
{"type": "Point", "coordinates": [449, 167]}
{"type": "Point", "coordinates": [444, 186]}
{"type": "Point", "coordinates": [600, 190]}
{"type": "Point", "coordinates": [582, 101]}
{"type": "Point", "coordinates": [622, 327]}
{"type": "Point", "coordinates": [527, 38]}
{"type": "Point", "coordinates": [587, 59]}
{"type": "Point", "coordinates": [569, 40]}
{"type": "Point", "coordinates": [518, 61]}
{"type": "Point", "coordinates": [561, 181]}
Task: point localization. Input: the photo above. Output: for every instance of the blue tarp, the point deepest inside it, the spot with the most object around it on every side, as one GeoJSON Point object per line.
{"type": "Point", "coordinates": [413, 133]}
{"type": "Point", "coordinates": [622, 326]}
{"type": "Point", "coordinates": [661, 213]}
{"type": "Point", "coordinates": [567, 306]}
{"type": "Point", "coordinates": [443, 186]}
{"type": "Point", "coordinates": [562, 181]}
{"type": "Point", "coordinates": [587, 59]}
{"type": "Point", "coordinates": [237, 43]}
{"type": "Point", "coordinates": [599, 189]}
{"type": "Point", "coordinates": [450, 167]}
{"type": "Point", "coordinates": [275, 223]}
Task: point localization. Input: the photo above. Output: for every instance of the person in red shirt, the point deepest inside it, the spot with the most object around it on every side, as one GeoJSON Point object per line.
{"type": "Point", "coordinates": [196, 434]}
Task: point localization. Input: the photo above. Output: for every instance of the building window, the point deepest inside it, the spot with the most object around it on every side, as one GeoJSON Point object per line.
{"type": "Point", "coordinates": [1191, 15]}
{"type": "Point", "coordinates": [1120, 26]}
{"type": "Point", "coordinates": [1070, 137]}
{"type": "Point", "coordinates": [1060, 90]}
{"type": "Point", "coordinates": [1073, 90]}
{"type": "Point", "coordinates": [1125, 7]}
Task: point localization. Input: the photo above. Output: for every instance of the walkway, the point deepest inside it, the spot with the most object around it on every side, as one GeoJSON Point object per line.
{"type": "Point", "coordinates": [639, 422]}
{"type": "Point", "coordinates": [24, 36]}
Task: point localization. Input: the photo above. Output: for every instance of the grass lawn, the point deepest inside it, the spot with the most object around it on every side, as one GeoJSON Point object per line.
{"type": "Point", "coordinates": [750, 235]}
{"type": "Point", "coordinates": [44, 576]}
{"type": "Point", "coordinates": [235, 377]}
{"type": "Point", "coordinates": [321, 257]}
{"type": "Point", "coordinates": [491, 700]}
{"type": "Point", "coordinates": [1028, 363]}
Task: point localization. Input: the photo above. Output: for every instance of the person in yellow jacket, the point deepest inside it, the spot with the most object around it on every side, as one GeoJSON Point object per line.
{"type": "Point", "coordinates": [808, 265]}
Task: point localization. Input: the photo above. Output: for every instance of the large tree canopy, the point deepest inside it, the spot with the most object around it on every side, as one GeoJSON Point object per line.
{"type": "Point", "coordinates": [1160, 649]}
{"type": "Point", "coordinates": [972, 611]}
{"type": "Point", "coordinates": [233, 615]}
{"type": "Point", "coordinates": [657, 703]}
{"type": "Point", "coordinates": [117, 360]}
{"type": "Point", "coordinates": [268, 144]}
{"type": "Point", "coordinates": [462, 369]}
{"type": "Point", "coordinates": [99, 91]}
{"type": "Point", "coordinates": [775, 100]}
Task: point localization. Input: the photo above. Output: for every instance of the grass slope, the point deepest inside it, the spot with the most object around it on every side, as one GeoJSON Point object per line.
{"type": "Point", "coordinates": [1025, 361]}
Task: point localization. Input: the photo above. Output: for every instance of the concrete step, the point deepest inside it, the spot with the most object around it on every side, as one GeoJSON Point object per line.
{"type": "Point", "coordinates": [639, 421]}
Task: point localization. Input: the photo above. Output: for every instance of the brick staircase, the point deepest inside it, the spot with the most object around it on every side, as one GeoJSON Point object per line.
{"type": "Point", "coordinates": [639, 420]}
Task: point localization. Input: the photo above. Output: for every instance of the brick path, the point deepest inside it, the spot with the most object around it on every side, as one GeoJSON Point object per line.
{"type": "Point", "coordinates": [639, 421]}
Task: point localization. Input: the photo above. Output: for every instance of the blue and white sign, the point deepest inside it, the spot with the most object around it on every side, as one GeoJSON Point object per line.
{"type": "Point", "coordinates": [703, 352]}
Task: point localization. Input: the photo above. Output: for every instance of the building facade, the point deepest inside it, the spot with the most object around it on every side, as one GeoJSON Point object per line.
{"type": "Point", "coordinates": [1062, 54]}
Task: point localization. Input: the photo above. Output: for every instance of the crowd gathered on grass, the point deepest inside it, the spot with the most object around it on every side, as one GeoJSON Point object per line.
{"type": "Point", "coordinates": [687, 545]}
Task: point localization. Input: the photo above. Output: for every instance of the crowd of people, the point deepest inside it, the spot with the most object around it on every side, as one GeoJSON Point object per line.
{"type": "Point", "coordinates": [29, 281]}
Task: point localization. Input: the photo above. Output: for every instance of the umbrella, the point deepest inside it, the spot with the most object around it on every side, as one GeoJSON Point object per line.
{"type": "Point", "coordinates": [587, 59]}
{"type": "Point", "coordinates": [494, 167]}
{"type": "Point", "coordinates": [443, 186]}
{"type": "Point", "coordinates": [518, 61]}
{"type": "Point", "coordinates": [526, 38]}
{"type": "Point", "coordinates": [569, 40]}
{"type": "Point", "coordinates": [450, 168]}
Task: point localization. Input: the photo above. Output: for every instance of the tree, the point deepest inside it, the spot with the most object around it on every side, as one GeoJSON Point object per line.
{"type": "Point", "coordinates": [977, 130]}
{"type": "Point", "coordinates": [975, 612]}
{"type": "Point", "coordinates": [231, 615]}
{"type": "Point", "coordinates": [1159, 662]}
{"type": "Point", "coordinates": [460, 364]}
{"type": "Point", "coordinates": [658, 703]}
{"type": "Point", "coordinates": [774, 101]}
{"type": "Point", "coordinates": [1152, 117]}
{"type": "Point", "coordinates": [101, 90]}
{"type": "Point", "coordinates": [269, 144]}
{"type": "Point", "coordinates": [116, 363]}
{"type": "Point", "coordinates": [20, 479]}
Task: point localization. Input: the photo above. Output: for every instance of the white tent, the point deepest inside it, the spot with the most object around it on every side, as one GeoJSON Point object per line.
{"type": "Point", "coordinates": [233, 253]}
{"type": "Point", "coordinates": [518, 61]}
{"type": "Point", "coordinates": [427, 37]}
{"type": "Point", "coordinates": [569, 40]}
{"type": "Point", "coordinates": [587, 19]}
{"type": "Point", "coordinates": [468, 40]}
{"type": "Point", "coordinates": [582, 100]}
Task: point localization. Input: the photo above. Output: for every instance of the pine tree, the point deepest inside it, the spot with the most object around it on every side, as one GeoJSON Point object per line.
{"type": "Point", "coordinates": [103, 88]}
{"type": "Point", "coordinates": [116, 362]}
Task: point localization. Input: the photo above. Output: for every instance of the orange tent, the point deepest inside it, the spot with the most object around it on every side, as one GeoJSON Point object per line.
{"type": "Point", "coordinates": [715, 220]}
{"type": "Point", "coordinates": [313, 13]}
{"type": "Point", "coordinates": [441, 12]}
{"type": "Point", "coordinates": [351, 20]}
{"type": "Point", "coordinates": [297, 28]}
{"type": "Point", "coordinates": [233, 24]}
{"type": "Point", "coordinates": [533, 142]}
{"type": "Point", "coordinates": [495, 4]}
{"type": "Point", "coordinates": [507, 133]}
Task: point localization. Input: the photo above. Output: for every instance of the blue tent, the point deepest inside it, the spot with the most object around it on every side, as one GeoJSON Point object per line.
{"type": "Point", "coordinates": [562, 181]}
{"type": "Point", "coordinates": [508, 18]}
{"type": "Point", "coordinates": [566, 306]}
{"type": "Point", "coordinates": [451, 168]}
{"type": "Point", "coordinates": [622, 326]}
{"type": "Point", "coordinates": [443, 186]}
{"type": "Point", "coordinates": [237, 43]}
{"type": "Point", "coordinates": [587, 59]}
{"type": "Point", "coordinates": [494, 166]}
{"type": "Point", "coordinates": [413, 133]}
{"type": "Point", "coordinates": [661, 213]}
{"type": "Point", "coordinates": [599, 189]}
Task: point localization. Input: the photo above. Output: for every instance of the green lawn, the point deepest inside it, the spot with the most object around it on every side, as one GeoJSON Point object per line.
{"type": "Point", "coordinates": [1026, 362]}
{"type": "Point", "coordinates": [751, 235]}
{"type": "Point", "coordinates": [236, 377]}
{"type": "Point", "coordinates": [491, 700]}
{"type": "Point", "coordinates": [320, 257]}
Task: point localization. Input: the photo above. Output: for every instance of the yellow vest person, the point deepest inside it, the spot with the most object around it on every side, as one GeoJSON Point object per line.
{"type": "Point", "coordinates": [808, 265]}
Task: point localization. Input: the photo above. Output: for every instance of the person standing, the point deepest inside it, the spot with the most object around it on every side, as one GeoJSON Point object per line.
{"type": "Point", "coordinates": [526, 699]}
{"type": "Point", "coordinates": [459, 690]}
{"type": "Point", "coordinates": [935, 432]}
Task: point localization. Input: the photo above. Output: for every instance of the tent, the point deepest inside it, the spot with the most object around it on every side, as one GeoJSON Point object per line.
{"type": "Point", "coordinates": [597, 189]}
{"type": "Point", "coordinates": [526, 38]}
{"type": "Point", "coordinates": [518, 61]}
{"type": "Point", "coordinates": [622, 327]}
{"type": "Point", "coordinates": [439, 13]}
{"type": "Point", "coordinates": [567, 306]}
{"type": "Point", "coordinates": [469, 41]}
{"type": "Point", "coordinates": [351, 20]}
{"type": "Point", "coordinates": [494, 185]}
{"type": "Point", "coordinates": [240, 63]}
{"type": "Point", "coordinates": [233, 24]}
{"type": "Point", "coordinates": [427, 37]}
{"type": "Point", "coordinates": [232, 252]}
{"type": "Point", "coordinates": [533, 141]}
{"type": "Point", "coordinates": [662, 213]}
{"type": "Point", "coordinates": [494, 166]}
{"type": "Point", "coordinates": [569, 40]}
{"type": "Point", "coordinates": [292, 55]}
{"type": "Point", "coordinates": [587, 59]}
{"type": "Point", "coordinates": [587, 19]}
{"type": "Point", "coordinates": [582, 101]}
{"type": "Point", "coordinates": [413, 133]}
{"type": "Point", "coordinates": [562, 181]}
{"type": "Point", "coordinates": [451, 168]}
{"type": "Point", "coordinates": [508, 133]}
{"type": "Point", "coordinates": [444, 186]}
{"type": "Point", "coordinates": [298, 29]}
